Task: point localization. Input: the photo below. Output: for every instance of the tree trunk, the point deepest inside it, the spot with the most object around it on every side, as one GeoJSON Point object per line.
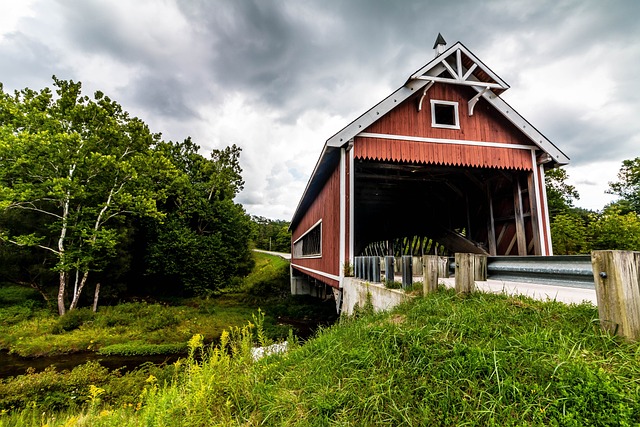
{"type": "Point", "coordinates": [76, 295]}
{"type": "Point", "coordinates": [63, 282]}
{"type": "Point", "coordinates": [95, 297]}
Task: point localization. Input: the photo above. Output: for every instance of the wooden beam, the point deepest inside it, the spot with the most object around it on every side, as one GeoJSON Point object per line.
{"type": "Point", "coordinates": [533, 208]}
{"type": "Point", "coordinates": [517, 206]}
{"type": "Point", "coordinates": [491, 225]}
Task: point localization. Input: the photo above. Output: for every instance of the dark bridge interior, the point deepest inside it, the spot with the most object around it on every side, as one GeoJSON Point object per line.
{"type": "Point", "coordinates": [443, 209]}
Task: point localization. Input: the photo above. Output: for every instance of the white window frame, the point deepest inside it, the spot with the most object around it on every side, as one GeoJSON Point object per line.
{"type": "Point", "coordinates": [435, 102]}
{"type": "Point", "coordinates": [299, 239]}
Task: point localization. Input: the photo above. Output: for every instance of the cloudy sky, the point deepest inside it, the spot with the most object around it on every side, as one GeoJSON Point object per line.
{"type": "Point", "coordinates": [278, 78]}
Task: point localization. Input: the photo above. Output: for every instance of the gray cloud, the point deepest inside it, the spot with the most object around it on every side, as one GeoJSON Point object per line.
{"type": "Point", "coordinates": [290, 66]}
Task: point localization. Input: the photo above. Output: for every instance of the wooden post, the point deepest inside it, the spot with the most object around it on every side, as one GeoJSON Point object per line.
{"type": "Point", "coordinates": [430, 267]}
{"type": "Point", "coordinates": [519, 218]}
{"type": "Point", "coordinates": [533, 208]}
{"type": "Point", "coordinates": [617, 278]}
{"type": "Point", "coordinates": [491, 225]}
{"type": "Point", "coordinates": [469, 268]}
{"type": "Point", "coordinates": [464, 273]}
{"type": "Point", "coordinates": [480, 267]}
{"type": "Point", "coordinates": [443, 266]}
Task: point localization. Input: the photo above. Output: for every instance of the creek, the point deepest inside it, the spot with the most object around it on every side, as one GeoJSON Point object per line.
{"type": "Point", "coordinates": [12, 365]}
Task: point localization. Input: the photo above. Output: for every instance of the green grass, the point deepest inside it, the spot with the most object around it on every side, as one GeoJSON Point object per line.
{"type": "Point", "coordinates": [440, 360]}
{"type": "Point", "coordinates": [28, 329]}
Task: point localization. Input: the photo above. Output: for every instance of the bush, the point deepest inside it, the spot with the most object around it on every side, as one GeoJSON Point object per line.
{"type": "Point", "coordinates": [73, 319]}
{"type": "Point", "coordinates": [15, 314]}
{"type": "Point", "coordinates": [269, 279]}
{"type": "Point", "coordinates": [18, 295]}
{"type": "Point", "coordinates": [141, 349]}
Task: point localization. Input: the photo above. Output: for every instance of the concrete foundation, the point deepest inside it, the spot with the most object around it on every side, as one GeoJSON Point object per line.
{"type": "Point", "coordinates": [304, 285]}
{"type": "Point", "coordinates": [357, 292]}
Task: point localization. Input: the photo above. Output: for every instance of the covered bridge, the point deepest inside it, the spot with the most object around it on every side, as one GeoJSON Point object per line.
{"type": "Point", "coordinates": [442, 165]}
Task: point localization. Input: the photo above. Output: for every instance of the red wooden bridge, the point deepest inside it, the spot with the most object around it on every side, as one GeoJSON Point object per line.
{"type": "Point", "coordinates": [442, 165]}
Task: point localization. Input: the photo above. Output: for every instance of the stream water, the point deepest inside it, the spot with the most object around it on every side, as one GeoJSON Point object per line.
{"type": "Point", "coordinates": [12, 365]}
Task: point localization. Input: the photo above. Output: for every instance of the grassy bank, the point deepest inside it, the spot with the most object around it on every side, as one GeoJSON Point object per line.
{"type": "Point", "coordinates": [440, 360]}
{"type": "Point", "coordinates": [29, 328]}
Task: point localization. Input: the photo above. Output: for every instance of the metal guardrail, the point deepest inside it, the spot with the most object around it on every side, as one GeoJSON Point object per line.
{"type": "Point", "coordinates": [565, 270]}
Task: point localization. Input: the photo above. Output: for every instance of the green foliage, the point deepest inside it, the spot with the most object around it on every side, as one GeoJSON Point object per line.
{"type": "Point", "coordinates": [51, 391]}
{"type": "Point", "coordinates": [18, 304]}
{"type": "Point", "coordinates": [271, 235]}
{"type": "Point", "coordinates": [142, 349]}
{"type": "Point", "coordinates": [615, 230]}
{"type": "Point", "coordinates": [204, 241]}
{"type": "Point", "coordinates": [628, 184]}
{"type": "Point", "coordinates": [392, 284]}
{"type": "Point", "coordinates": [440, 360]}
{"type": "Point", "coordinates": [100, 166]}
{"type": "Point", "coordinates": [570, 235]}
{"type": "Point", "coordinates": [73, 320]}
{"type": "Point", "coordinates": [15, 295]}
{"type": "Point", "coordinates": [269, 278]}
{"type": "Point", "coordinates": [560, 194]}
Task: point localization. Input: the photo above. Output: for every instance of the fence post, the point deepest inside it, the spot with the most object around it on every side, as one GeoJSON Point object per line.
{"type": "Point", "coordinates": [480, 267]}
{"type": "Point", "coordinates": [617, 278]}
{"type": "Point", "coordinates": [443, 267]}
{"type": "Point", "coordinates": [430, 267]}
{"type": "Point", "coordinates": [389, 268]}
{"type": "Point", "coordinates": [407, 271]}
{"type": "Point", "coordinates": [375, 265]}
{"type": "Point", "coordinates": [469, 268]}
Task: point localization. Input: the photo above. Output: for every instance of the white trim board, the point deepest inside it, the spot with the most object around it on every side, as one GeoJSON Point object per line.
{"type": "Point", "coordinates": [321, 273]}
{"type": "Point", "coordinates": [447, 141]}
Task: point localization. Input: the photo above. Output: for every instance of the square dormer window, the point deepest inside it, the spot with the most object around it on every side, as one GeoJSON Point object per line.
{"type": "Point", "coordinates": [444, 114]}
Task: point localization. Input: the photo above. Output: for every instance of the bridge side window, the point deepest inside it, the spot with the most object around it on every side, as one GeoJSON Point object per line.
{"type": "Point", "coordinates": [310, 243]}
{"type": "Point", "coordinates": [444, 114]}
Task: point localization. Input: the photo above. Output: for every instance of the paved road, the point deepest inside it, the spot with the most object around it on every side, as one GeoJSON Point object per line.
{"type": "Point", "coordinates": [280, 254]}
{"type": "Point", "coordinates": [540, 292]}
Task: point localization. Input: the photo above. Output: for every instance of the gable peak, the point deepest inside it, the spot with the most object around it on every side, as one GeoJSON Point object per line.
{"type": "Point", "coordinates": [439, 45]}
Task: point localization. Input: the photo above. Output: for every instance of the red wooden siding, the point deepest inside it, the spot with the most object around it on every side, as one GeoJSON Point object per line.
{"type": "Point", "coordinates": [486, 125]}
{"type": "Point", "coordinates": [325, 207]}
{"type": "Point", "coordinates": [441, 154]}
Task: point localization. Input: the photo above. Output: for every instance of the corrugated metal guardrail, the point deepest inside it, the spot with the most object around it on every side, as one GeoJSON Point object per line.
{"type": "Point", "coordinates": [565, 270]}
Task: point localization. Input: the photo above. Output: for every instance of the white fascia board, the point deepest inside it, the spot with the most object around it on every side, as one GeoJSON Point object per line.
{"type": "Point", "coordinates": [367, 119]}
{"type": "Point", "coordinates": [525, 127]}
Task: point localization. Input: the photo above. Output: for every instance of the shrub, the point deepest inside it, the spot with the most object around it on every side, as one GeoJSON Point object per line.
{"type": "Point", "coordinates": [73, 319]}
{"type": "Point", "coordinates": [18, 295]}
{"type": "Point", "coordinates": [141, 349]}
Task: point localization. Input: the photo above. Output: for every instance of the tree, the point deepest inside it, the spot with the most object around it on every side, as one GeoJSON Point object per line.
{"type": "Point", "coordinates": [204, 240]}
{"type": "Point", "coordinates": [560, 195]}
{"type": "Point", "coordinates": [80, 165]}
{"type": "Point", "coordinates": [570, 235]}
{"type": "Point", "coordinates": [614, 229]}
{"type": "Point", "coordinates": [628, 184]}
{"type": "Point", "coordinates": [273, 235]}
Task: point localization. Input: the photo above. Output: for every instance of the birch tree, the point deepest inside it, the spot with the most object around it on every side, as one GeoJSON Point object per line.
{"type": "Point", "coordinates": [82, 164]}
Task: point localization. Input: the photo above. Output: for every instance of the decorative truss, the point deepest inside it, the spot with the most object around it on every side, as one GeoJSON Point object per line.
{"type": "Point", "coordinates": [457, 65]}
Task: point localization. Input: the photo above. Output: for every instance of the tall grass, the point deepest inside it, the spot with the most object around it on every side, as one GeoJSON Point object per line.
{"type": "Point", "coordinates": [439, 360]}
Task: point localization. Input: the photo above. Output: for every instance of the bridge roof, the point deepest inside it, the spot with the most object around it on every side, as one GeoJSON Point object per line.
{"type": "Point", "coordinates": [456, 65]}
